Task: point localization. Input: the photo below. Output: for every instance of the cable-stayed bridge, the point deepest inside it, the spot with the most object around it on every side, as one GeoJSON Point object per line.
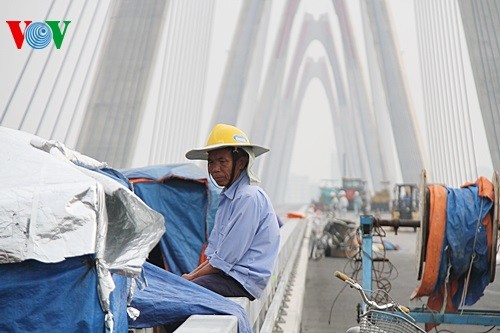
{"type": "Point", "coordinates": [130, 83]}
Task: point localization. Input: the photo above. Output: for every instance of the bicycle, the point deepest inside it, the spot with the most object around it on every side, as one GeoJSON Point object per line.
{"type": "Point", "coordinates": [387, 318]}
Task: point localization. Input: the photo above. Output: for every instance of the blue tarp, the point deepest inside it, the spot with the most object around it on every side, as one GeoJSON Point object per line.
{"type": "Point", "coordinates": [188, 201]}
{"type": "Point", "coordinates": [116, 175]}
{"type": "Point", "coordinates": [57, 297]}
{"type": "Point", "coordinates": [169, 298]}
{"type": "Point", "coordinates": [465, 235]}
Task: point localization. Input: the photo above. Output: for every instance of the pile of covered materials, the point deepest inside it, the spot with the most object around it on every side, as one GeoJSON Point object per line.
{"type": "Point", "coordinates": [66, 229]}
{"type": "Point", "coordinates": [74, 239]}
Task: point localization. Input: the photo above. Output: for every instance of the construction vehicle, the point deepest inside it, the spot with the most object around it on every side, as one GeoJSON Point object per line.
{"type": "Point", "coordinates": [327, 188]}
{"type": "Point", "coordinates": [381, 200]}
{"type": "Point", "coordinates": [351, 186]}
{"type": "Point", "coordinates": [406, 202]}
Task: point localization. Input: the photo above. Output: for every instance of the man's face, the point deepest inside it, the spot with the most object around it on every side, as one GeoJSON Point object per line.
{"type": "Point", "coordinates": [220, 163]}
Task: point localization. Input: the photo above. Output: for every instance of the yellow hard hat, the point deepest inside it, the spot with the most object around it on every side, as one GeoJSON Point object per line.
{"type": "Point", "coordinates": [223, 135]}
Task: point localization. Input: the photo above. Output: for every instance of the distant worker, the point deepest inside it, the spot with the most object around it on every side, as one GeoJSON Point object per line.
{"type": "Point", "coordinates": [334, 202]}
{"type": "Point", "coordinates": [357, 202]}
{"type": "Point", "coordinates": [343, 203]}
{"type": "Point", "coordinates": [244, 242]}
{"type": "Point", "coordinates": [405, 195]}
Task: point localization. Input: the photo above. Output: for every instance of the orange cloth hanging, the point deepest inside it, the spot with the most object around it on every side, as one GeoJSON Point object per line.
{"type": "Point", "coordinates": [437, 228]}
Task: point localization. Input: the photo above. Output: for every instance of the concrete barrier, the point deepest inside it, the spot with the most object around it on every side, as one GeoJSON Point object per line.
{"type": "Point", "coordinates": [266, 313]}
{"type": "Point", "coordinates": [212, 324]}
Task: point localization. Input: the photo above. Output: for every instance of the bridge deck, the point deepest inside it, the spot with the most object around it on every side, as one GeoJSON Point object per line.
{"type": "Point", "coordinates": [322, 288]}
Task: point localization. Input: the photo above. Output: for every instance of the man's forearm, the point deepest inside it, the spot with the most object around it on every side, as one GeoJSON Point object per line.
{"type": "Point", "coordinates": [203, 269]}
{"type": "Point", "coordinates": [200, 266]}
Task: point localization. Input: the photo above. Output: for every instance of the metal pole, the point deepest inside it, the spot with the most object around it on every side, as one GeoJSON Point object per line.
{"type": "Point", "coordinates": [366, 258]}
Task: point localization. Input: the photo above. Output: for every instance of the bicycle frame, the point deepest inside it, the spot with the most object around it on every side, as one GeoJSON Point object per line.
{"type": "Point", "coordinates": [465, 317]}
{"type": "Point", "coordinates": [386, 318]}
{"type": "Point", "coordinates": [376, 317]}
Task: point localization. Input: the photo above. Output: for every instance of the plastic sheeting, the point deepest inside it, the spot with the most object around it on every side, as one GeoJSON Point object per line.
{"type": "Point", "coordinates": [133, 228]}
{"type": "Point", "coordinates": [57, 297]}
{"type": "Point", "coordinates": [188, 201]}
{"type": "Point", "coordinates": [56, 204]}
{"type": "Point", "coordinates": [169, 299]}
{"type": "Point", "coordinates": [48, 209]}
{"type": "Point", "coordinates": [466, 236]}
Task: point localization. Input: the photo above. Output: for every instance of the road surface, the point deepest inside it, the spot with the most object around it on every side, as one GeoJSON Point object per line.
{"type": "Point", "coordinates": [329, 307]}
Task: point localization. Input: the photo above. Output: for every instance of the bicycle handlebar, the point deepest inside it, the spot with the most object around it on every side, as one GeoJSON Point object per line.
{"type": "Point", "coordinates": [369, 302]}
{"type": "Point", "coordinates": [342, 276]}
{"type": "Point", "coordinates": [404, 309]}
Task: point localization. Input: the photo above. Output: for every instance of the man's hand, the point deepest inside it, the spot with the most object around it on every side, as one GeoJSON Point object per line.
{"type": "Point", "coordinates": [203, 269]}
{"type": "Point", "coordinates": [192, 275]}
{"type": "Point", "coordinates": [187, 276]}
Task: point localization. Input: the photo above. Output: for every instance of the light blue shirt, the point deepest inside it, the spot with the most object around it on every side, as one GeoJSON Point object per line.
{"type": "Point", "coordinates": [245, 239]}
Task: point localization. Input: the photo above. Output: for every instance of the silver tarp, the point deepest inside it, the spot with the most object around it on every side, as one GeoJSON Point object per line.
{"type": "Point", "coordinates": [54, 205]}
{"type": "Point", "coordinates": [50, 206]}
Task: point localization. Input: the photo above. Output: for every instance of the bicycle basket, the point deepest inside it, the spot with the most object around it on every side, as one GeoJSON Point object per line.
{"type": "Point", "coordinates": [374, 321]}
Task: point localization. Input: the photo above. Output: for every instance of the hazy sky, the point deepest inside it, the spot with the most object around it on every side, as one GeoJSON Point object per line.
{"type": "Point", "coordinates": [315, 121]}
{"type": "Point", "coordinates": [315, 124]}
